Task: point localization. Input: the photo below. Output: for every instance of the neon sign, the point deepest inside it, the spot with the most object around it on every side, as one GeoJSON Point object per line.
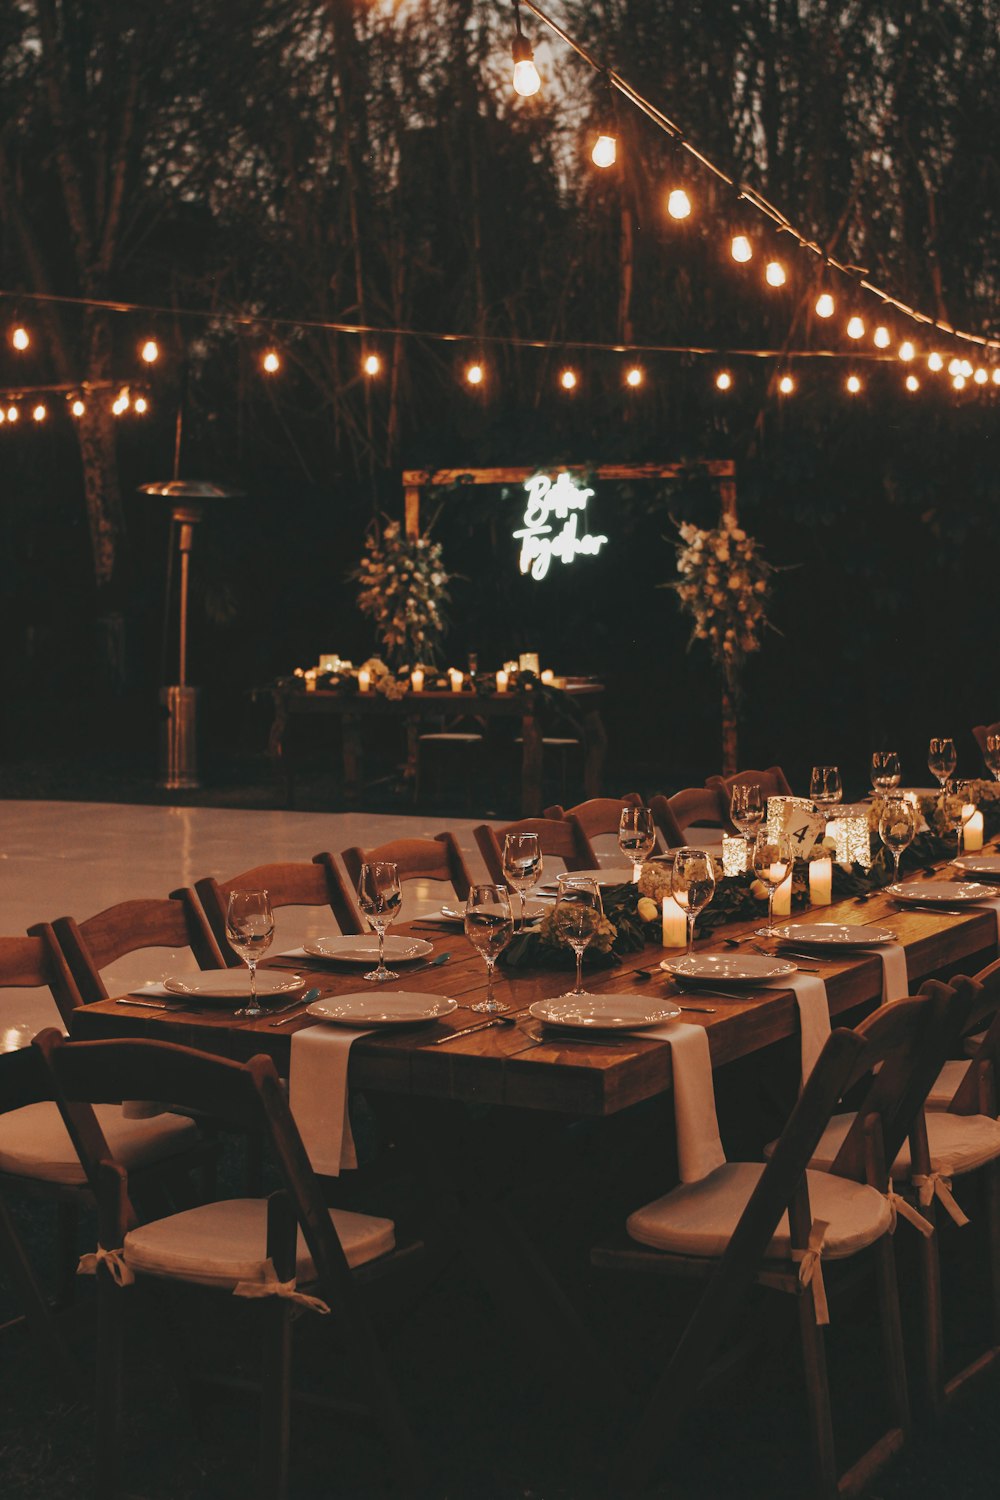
{"type": "Point", "coordinates": [564, 500]}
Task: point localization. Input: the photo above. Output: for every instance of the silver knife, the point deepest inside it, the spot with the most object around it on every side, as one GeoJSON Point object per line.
{"type": "Point", "coordinates": [151, 1004]}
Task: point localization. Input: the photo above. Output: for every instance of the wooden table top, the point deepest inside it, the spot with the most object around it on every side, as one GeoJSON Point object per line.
{"type": "Point", "coordinates": [508, 1066]}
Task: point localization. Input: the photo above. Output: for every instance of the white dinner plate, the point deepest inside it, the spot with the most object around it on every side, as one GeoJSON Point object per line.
{"type": "Point", "coordinates": [532, 911]}
{"type": "Point", "coordinates": [728, 968]}
{"type": "Point", "coordinates": [604, 1012]}
{"type": "Point", "coordinates": [986, 866]}
{"type": "Point", "coordinates": [364, 949]}
{"type": "Point", "coordinates": [232, 984]}
{"type": "Point", "coordinates": [381, 1008]}
{"type": "Point", "coordinates": [831, 934]}
{"type": "Point", "coordinates": [604, 875]}
{"type": "Point", "coordinates": [940, 892]}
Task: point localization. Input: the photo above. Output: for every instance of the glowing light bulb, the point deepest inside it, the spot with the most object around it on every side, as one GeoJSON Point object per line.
{"type": "Point", "coordinates": [3, 416]}
{"type": "Point", "coordinates": [786, 385]}
{"type": "Point", "coordinates": [474, 374]}
{"type": "Point", "coordinates": [881, 338]}
{"type": "Point", "coordinates": [959, 382]}
{"type": "Point", "coordinates": [980, 376]}
{"type": "Point", "coordinates": [605, 152]}
{"type": "Point", "coordinates": [568, 380]}
{"type": "Point", "coordinates": [635, 376]}
{"type": "Point", "coordinates": [934, 361]}
{"type": "Point", "coordinates": [372, 364]}
{"type": "Point", "coordinates": [140, 405]}
{"type": "Point", "coordinates": [741, 249]}
{"type": "Point", "coordinates": [966, 368]}
{"type": "Point", "coordinates": [125, 399]}
{"type": "Point", "coordinates": [856, 328]}
{"type": "Point", "coordinates": [39, 413]}
{"type": "Point", "coordinates": [20, 338]}
{"type": "Point", "coordinates": [678, 204]}
{"type": "Point", "coordinates": [774, 275]}
{"type": "Point", "coordinates": [825, 305]}
{"type": "Point", "coordinates": [954, 367]}
{"type": "Point", "coordinates": [723, 380]}
{"type": "Point", "coordinates": [853, 384]}
{"type": "Point", "coordinates": [271, 361]}
{"type": "Point", "coordinates": [150, 351]}
{"type": "Point", "coordinates": [12, 414]}
{"type": "Point", "coordinates": [77, 407]}
{"type": "Point", "coordinates": [526, 79]}
{"type": "Point", "coordinates": [996, 376]}
{"type": "Point", "coordinates": [912, 383]}
{"type": "Point", "coordinates": [906, 350]}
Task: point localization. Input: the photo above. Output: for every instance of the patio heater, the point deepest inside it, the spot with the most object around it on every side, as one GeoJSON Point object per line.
{"type": "Point", "coordinates": [178, 700]}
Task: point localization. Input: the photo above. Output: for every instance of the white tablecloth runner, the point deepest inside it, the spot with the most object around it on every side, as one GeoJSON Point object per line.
{"type": "Point", "coordinates": [699, 1146]}
{"type": "Point", "coordinates": [814, 1014]}
{"type": "Point", "coordinates": [895, 980]}
{"type": "Point", "coordinates": [317, 1094]}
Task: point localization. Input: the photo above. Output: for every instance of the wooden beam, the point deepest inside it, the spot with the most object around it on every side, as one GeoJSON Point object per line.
{"type": "Point", "coordinates": [718, 468]}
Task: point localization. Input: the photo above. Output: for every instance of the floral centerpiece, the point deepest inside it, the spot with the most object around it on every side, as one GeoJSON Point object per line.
{"type": "Point", "coordinates": [404, 588]}
{"type": "Point", "coordinates": [725, 586]}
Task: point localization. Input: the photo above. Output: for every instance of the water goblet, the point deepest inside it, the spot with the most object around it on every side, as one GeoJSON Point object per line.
{"type": "Point", "coordinates": [746, 809]}
{"type": "Point", "coordinates": [992, 754]}
{"type": "Point", "coordinates": [636, 837]}
{"type": "Point", "coordinates": [825, 786]}
{"type": "Point", "coordinates": [489, 926]}
{"type": "Point", "coordinates": [250, 932]}
{"type": "Point", "coordinates": [897, 828]}
{"type": "Point", "coordinates": [772, 863]}
{"type": "Point", "coordinates": [885, 771]}
{"type": "Point", "coordinates": [380, 899]}
{"type": "Point", "coordinates": [692, 883]}
{"type": "Point", "coordinates": [522, 865]}
{"type": "Point", "coordinates": [942, 759]}
{"type": "Point", "coordinates": [578, 915]}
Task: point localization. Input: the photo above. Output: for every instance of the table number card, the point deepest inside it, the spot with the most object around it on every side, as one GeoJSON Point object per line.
{"type": "Point", "coordinates": [797, 817]}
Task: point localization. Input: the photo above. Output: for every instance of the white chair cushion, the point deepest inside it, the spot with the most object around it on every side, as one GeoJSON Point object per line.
{"type": "Point", "coordinates": [34, 1142]}
{"type": "Point", "coordinates": [219, 1244]}
{"type": "Point", "coordinates": [958, 1144]}
{"type": "Point", "coordinates": [698, 1218]}
{"type": "Point", "coordinates": [946, 1085]}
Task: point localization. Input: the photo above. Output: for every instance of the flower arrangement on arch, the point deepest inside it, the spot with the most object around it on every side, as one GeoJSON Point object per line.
{"type": "Point", "coordinates": [404, 588]}
{"type": "Point", "coordinates": [725, 585]}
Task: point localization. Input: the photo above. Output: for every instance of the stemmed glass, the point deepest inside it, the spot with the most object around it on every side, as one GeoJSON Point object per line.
{"type": "Point", "coordinates": [489, 926]}
{"type": "Point", "coordinates": [885, 771]}
{"type": "Point", "coordinates": [992, 754]}
{"type": "Point", "coordinates": [250, 932]}
{"type": "Point", "coordinates": [772, 862]}
{"type": "Point", "coordinates": [692, 883]}
{"type": "Point", "coordinates": [746, 808]}
{"type": "Point", "coordinates": [522, 865]}
{"type": "Point", "coordinates": [941, 760]}
{"type": "Point", "coordinates": [636, 836]}
{"type": "Point", "coordinates": [959, 808]}
{"type": "Point", "coordinates": [897, 828]}
{"type": "Point", "coordinates": [825, 786]}
{"type": "Point", "coordinates": [380, 898]}
{"type": "Point", "coordinates": [578, 915]}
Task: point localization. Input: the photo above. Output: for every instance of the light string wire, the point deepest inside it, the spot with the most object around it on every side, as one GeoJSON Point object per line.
{"type": "Point", "coordinates": [756, 199]}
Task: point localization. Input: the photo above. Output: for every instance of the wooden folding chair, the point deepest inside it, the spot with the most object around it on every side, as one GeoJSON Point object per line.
{"type": "Point", "coordinates": [438, 858]}
{"type": "Point", "coordinates": [559, 838]}
{"type": "Point", "coordinates": [317, 884]}
{"type": "Point", "coordinates": [682, 817]}
{"type": "Point", "coordinates": [980, 734]}
{"type": "Point", "coordinates": [598, 815]}
{"type": "Point", "coordinates": [779, 1224]}
{"type": "Point", "coordinates": [773, 783]}
{"type": "Point", "coordinates": [289, 1250]}
{"type": "Point", "coordinates": [174, 922]}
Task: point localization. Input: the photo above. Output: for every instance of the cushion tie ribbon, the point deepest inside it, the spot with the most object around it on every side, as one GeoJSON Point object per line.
{"type": "Point", "coordinates": [938, 1185]}
{"type": "Point", "coordinates": [899, 1205]}
{"type": "Point", "coordinates": [270, 1286]}
{"type": "Point", "coordinates": [118, 1268]}
{"type": "Point", "coordinates": [811, 1269]}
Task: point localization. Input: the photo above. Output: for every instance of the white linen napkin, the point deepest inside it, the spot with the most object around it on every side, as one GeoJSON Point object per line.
{"type": "Point", "coordinates": [814, 1014]}
{"type": "Point", "coordinates": [154, 988]}
{"type": "Point", "coordinates": [895, 980]}
{"type": "Point", "coordinates": [317, 1095]}
{"type": "Point", "coordinates": [699, 1146]}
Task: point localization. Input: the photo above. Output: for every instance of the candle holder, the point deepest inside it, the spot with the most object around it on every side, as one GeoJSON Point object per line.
{"type": "Point", "coordinates": [849, 830]}
{"type": "Point", "coordinates": [735, 855]}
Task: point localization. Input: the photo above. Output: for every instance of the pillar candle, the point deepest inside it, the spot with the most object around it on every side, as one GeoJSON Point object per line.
{"type": "Point", "coordinates": [548, 677]}
{"type": "Point", "coordinates": [364, 680]}
{"type": "Point", "coordinates": [972, 834]}
{"type": "Point", "coordinates": [417, 680]}
{"type": "Point", "coordinates": [675, 931]}
{"type": "Point", "coordinates": [783, 897]}
{"type": "Point", "coordinates": [502, 681]}
{"type": "Point", "coordinates": [456, 679]}
{"type": "Point", "coordinates": [821, 881]}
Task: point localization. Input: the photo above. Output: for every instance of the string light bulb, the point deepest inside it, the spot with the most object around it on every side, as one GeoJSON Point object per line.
{"type": "Point", "coordinates": [741, 249]}
{"type": "Point", "coordinates": [723, 381]}
{"type": "Point", "coordinates": [934, 361]}
{"type": "Point", "coordinates": [853, 384]}
{"type": "Point", "coordinates": [150, 351]}
{"type": "Point", "coordinates": [954, 366]}
{"type": "Point", "coordinates": [774, 274]}
{"type": "Point", "coordinates": [856, 328]}
{"type": "Point", "coordinates": [959, 382]}
{"type": "Point", "coordinates": [474, 374]}
{"type": "Point", "coordinates": [996, 375]}
{"type": "Point", "coordinates": [605, 152]}
{"type": "Point", "coordinates": [825, 305]}
{"type": "Point", "coordinates": [20, 337]}
{"type": "Point", "coordinates": [906, 350]}
{"type": "Point", "coordinates": [786, 385]}
{"type": "Point", "coordinates": [3, 416]}
{"type": "Point", "coordinates": [526, 79]}
{"type": "Point", "coordinates": [77, 407]}
{"type": "Point", "coordinates": [12, 414]}
{"type": "Point", "coordinates": [372, 364]}
{"type": "Point", "coordinates": [270, 361]}
{"type": "Point", "coordinates": [980, 376]}
{"type": "Point", "coordinates": [39, 413]}
{"type": "Point", "coordinates": [568, 380]}
{"type": "Point", "coordinates": [966, 368]}
{"type": "Point", "coordinates": [635, 376]}
{"type": "Point", "coordinates": [140, 406]}
{"type": "Point", "coordinates": [912, 383]}
{"type": "Point", "coordinates": [678, 204]}
{"type": "Point", "coordinates": [881, 338]}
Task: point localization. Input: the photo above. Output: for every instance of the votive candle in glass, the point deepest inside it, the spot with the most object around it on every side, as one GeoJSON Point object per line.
{"type": "Point", "coordinates": [734, 855]}
{"type": "Point", "coordinates": [548, 677]}
{"type": "Point", "coordinates": [502, 680]}
{"type": "Point", "coordinates": [820, 882]}
{"type": "Point", "coordinates": [364, 680]}
{"type": "Point", "coordinates": [457, 679]}
{"type": "Point", "coordinates": [972, 833]}
{"type": "Point", "coordinates": [783, 897]}
{"type": "Point", "coordinates": [417, 680]}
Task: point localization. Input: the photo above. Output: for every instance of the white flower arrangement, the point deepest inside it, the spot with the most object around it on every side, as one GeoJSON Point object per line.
{"type": "Point", "coordinates": [725, 585]}
{"type": "Point", "coordinates": [404, 587]}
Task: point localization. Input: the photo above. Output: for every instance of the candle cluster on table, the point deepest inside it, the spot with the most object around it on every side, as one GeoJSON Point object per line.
{"type": "Point", "coordinates": [334, 671]}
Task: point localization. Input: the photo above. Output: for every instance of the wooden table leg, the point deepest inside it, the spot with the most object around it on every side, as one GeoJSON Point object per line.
{"type": "Point", "coordinates": [531, 763]}
{"type": "Point", "coordinates": [595, 745]}
{"type": "Point", "coordinates": [352, 751]}
{"type": "Point", "coordinates": [410, 774]}
{"type": "Point", "coordinates": [279, 750]}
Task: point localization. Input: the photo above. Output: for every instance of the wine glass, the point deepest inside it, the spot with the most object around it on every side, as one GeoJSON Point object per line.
{"type": "Point", "coordinates": [522, 864]}
{"type": "Point", "coordinates": [489, 926]}
{"type": "Point", "coordinates": [692, 883]}
{"type": "Point", "coordinates": [746, 808]}
{"type": "Point", "coordinates": [959, 806]}
{"type": "Point", "coordinates": [885, 771]}
{"type": "Point", "coordinates": [897, 828]}
{"type": "Point", "coordinates": [941, 759]}
{"type": "Point", "coordinates": [636, 837]}
{"type": "Point", "coordinates": [825, 786]}
{"type": "Point", "coordinates": [772, 863]}
{"type": "Point", "coordinates": [992, 754]}
{"type": "Point", "coordinates": [578, 916]}
{"type": "Point", "coordinates": [380, 898]}
{"type": "Point", "coordinates": [250, 931]}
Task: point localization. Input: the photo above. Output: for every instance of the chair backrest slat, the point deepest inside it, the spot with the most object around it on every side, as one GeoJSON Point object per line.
{"type": "Point", "coordinates": [693, 807]}
{"type": "Point", "coordinates": [438, 858]}
{"type": "Point", "coordinates": [318, 883]}
{"type": "Point", "coordinates": [773, 782]}
{"type": "Point", "coordinates": [562, 838]}
{"type": "Point", "coordinates": [176, 921]}
{"type": "Point", "coordinates": [36, 960]}
{"type": "Point", "coordinates": [598, 815]}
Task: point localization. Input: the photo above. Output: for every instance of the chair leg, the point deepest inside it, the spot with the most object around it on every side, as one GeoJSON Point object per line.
{"type": "Point", "coordinates": [67, 1253]}
{"type": "Point", "coordinates": [109, 1424]}
{"type": "Point", "coordinates": [36, 1305]}
{"type": "Point", "coordinates": [275, 1399]}
{"type": "Point", "coordinates": [818, 1396]}
{"type": "Point", "coordinates": [992, 1187]}
{"type": "Point", "coordinates": [892, 1333]}
{"type": "Point", "coordinates": [933, 1323]}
